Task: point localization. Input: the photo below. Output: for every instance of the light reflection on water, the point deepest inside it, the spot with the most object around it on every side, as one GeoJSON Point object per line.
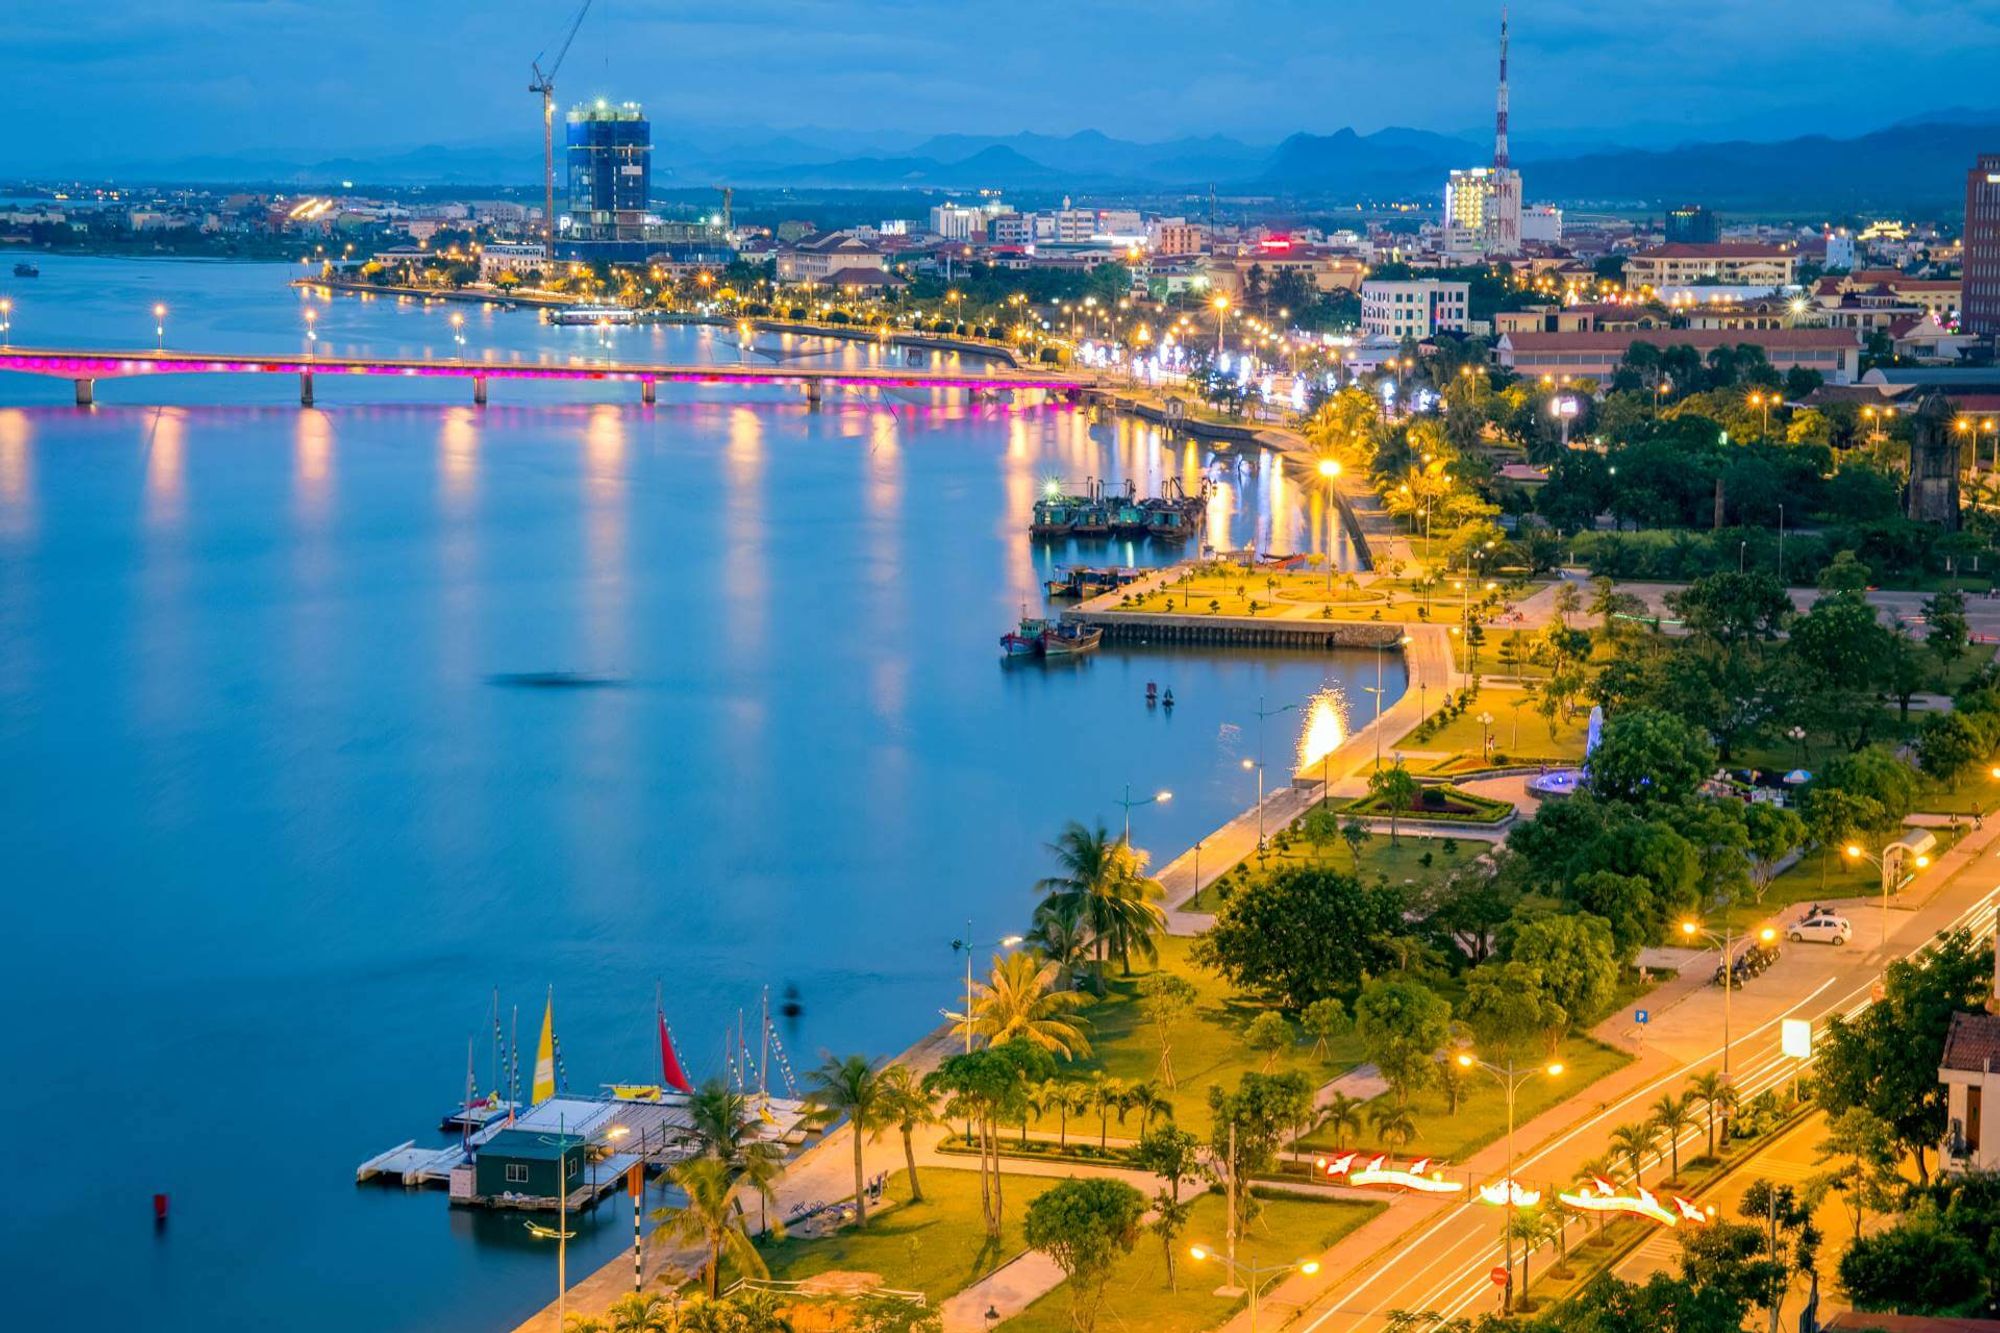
{"type": "Point", "coordinates": [273, 832]}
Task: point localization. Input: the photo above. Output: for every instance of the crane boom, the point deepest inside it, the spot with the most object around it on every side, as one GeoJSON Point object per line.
{"type": "Point", "coordinates": [545, 84]}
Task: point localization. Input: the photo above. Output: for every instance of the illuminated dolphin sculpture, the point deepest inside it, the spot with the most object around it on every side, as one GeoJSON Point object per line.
{"type": "Point", "coordinates": [1604, 1197]}
{"type": "Point", "coordinates": [1502, 1192]}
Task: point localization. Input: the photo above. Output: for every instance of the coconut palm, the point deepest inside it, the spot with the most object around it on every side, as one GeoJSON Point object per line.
{"type": "Point", "coordinates": [1017, 1002]}
{"type": "Point", "coordinates": [1107, 1094]}
{"type": "Point", "coordinates": [1341, 1116]}
{"type": "Point", "coordinates": [1394, 1125]}
{"type": "Point", "coordinates": [1061, 937]}
{"type": "Point", "coordinates": [1632, 1143]}
{"type": "Point", "coordinates": [1102, 884]}
{"type": "Point", "coordinates": [1147, 1099]}
{"type": "Point", "coordinates": [1717, 1096]}
{"type": "Point", "coordinates": [709, 1219]}
{"type": "Point", "coordinates": [908, 1107]}
{"type": "Point", "coordinates": [1064, 1099]}
{"type": "Point", "coordinates": [721, 1121]}
{"type": "Point", "coordinates": [1674, 1116]}
{"type": "Point", "coordinates": [850, 1087]}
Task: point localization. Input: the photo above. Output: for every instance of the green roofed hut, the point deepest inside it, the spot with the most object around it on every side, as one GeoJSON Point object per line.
{"type": "Point", "coordinates": [519, 1168]}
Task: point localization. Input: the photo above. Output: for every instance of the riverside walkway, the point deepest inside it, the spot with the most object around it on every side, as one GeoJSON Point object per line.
{"type": "Point", "coordinates": [84, 367]}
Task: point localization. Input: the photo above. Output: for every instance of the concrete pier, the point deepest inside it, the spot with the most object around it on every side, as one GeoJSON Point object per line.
{"type": "Point", "coordinates": [86, 392]}
{"type": "Point", "coordinates": [815, 393]}
{"type": "Point", "coordinates": [305, 388]}
{"type": "Point", "coordinates": [649, 391]}
{"type": "Point", "coordinates": [479, 390]}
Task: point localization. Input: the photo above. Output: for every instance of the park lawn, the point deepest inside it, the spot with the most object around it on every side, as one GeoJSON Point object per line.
{"type": "Point", "coordinates": [938, 1247]}
{"type": "Point", "coordinates": [1402, 864]}
{"type": "Point", "coordinates": [1482, 1111]}
{"type": "Point", "coordinates": [1207, 1047]}
{"type": "Point", "coordinates": [1136, 1295]}
{"type": "Point", "coordinates": [1823, 877]}
{"type": "Point", "coordinates": [1462, 734]}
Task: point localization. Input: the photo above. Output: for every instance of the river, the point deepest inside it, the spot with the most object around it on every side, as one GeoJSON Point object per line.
{"type": "Point", "coordinates": [275, 820]}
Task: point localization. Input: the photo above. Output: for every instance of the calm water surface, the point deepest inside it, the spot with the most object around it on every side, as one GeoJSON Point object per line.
{"type": "Point", "coordinates": [271, 831]}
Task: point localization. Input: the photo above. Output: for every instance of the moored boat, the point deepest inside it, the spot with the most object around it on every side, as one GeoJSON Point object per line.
{"type": "Point", "coordinates": [26, 270]}
{"type": "Point", "coordinates": [1026, 639]}
{"type": "Point", "coordinates": [1065, 639]}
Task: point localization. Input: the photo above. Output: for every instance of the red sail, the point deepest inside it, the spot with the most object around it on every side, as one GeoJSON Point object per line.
{"type": "Point", "coordinates": [671, 1073]}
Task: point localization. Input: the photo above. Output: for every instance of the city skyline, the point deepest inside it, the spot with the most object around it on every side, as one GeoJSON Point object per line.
{"type": "Point", "coordinates": [801, 66]}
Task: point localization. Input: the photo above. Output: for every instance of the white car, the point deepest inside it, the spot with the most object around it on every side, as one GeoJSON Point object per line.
{"type": "Point", "coordinates": [1821, 930]}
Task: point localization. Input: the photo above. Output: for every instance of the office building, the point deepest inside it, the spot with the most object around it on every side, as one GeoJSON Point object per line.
{"type": "Point", "coordinates": [1692, 224]}
{"type": "Point", "coordinates": [1834, 353]}
{"type": "Point", "coordinates": [610, 152]}
{"type": "Point", "coordinates": [1415, 309]}
{"type": "Point", "coordinates": [1981, 267]}
{"type": "Point", "coordinates": [956, 222]}
{"type": "Point", "coordinates": [1732, 264]}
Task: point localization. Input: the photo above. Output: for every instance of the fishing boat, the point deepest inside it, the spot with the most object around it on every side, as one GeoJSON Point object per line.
{"type": "Point", "coordinates": [1055, 516]}
{"type": "Point", "coordinates": [1026, 639]}
{"type": "Point", "coordinates": [26, 270]}
{"type": "Point", "coordinates": [1064, 640]}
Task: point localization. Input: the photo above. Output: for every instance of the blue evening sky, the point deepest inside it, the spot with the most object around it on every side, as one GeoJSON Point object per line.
{"type": "Point", "coordinates": [147, 80]}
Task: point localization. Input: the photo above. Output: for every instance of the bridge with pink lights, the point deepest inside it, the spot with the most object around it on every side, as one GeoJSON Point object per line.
{"type": "Point", "coordinates": [85, 368]}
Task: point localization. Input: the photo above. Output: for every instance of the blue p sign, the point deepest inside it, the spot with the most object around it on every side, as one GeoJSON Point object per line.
{"type": "Point", "coordinates": [1639, 1016]}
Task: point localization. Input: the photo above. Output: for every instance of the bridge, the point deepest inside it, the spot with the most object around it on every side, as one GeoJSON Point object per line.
{"type": "Point", "coordinates": [86, 367]}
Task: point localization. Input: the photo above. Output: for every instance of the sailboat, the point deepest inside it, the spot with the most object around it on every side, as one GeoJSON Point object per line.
{"type": "Point", "coordinates": [476, 1112]}
{"type": "Point", "coordinates": [673, 1078]}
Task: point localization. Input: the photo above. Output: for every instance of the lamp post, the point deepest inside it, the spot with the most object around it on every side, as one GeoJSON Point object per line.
{"type": "Point", "coordinates": [160, 324]}
{"type": "Point", "coordinates": [968, 944]}
{"type": "Point", "coordinates": [1257, 1273]}
{"type": "Point", "coordinates": [561, 1144]}
{"type": "Point", "coordinates": [1329, 471]}
{"type": "Point", "coordinates": [1221, 315]}
{"type": "Point", "coordinates": [1891, 863]}
{"type": "Point", "coordinates": [1262, 713]}
{"type": "Point", "coordinates": [1693, 930]}
{"type": "Point", "coordinates": [1162, 795]}
{"type": "Point", "coordinates": [1485, 736]}
{"type": "Point", "coordinates": [1762, 401]}
{"type": "Point", "coordinates": [6, 319]}
{"type": "Point", "coordinates": [1511, 1077]}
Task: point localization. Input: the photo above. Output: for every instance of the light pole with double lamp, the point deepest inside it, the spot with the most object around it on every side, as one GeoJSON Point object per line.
{"type": "Point", "coordinates": [1511, 1077]}
{"type": "Point", "coordinates": [1256, 1274]}
{"type": "Point", "coordinates": [1891, 862]}
{"type": "Point", "coordinates": [1161, 796]}
{"type": "Point", "coordinates": [1329, 471]}
{"type": "Point", "coordinates": [1694, 930]}
{"type": "Point", "coordinates": [1262, 713]}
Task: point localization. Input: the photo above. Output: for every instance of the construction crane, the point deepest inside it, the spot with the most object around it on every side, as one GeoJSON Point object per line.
{"type": "Point", "coordinates": [545, 84]}
{"type": "Point", "coordinates": [728, 197]}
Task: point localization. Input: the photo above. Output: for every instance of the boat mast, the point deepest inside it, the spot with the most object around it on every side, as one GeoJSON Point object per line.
{"type": "Point", "coordinates": [764, 1048]}
{"type": "Point", "coordinates": [465, 1113]}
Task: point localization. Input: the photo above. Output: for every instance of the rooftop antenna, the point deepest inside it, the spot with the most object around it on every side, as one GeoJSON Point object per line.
{"type": "Point", "coordinates": [1500, 107]}
{"type": "Point", "coordinates": [545, 84]}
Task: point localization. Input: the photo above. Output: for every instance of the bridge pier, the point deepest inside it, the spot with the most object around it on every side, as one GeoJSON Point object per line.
{"type": "Point", "coordinates": [815, 393]}
{"type": "Point", "coordinates": [305, 388]}
{"type": "Point", "coordinates": [479, 391]}
{"type": "Point", "coordinates": [649, 391]}
{"type": "Point", "coordinates": [86, 392]}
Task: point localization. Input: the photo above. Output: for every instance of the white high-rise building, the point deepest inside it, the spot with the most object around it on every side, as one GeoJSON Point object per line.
{"type": "Point", "coordinates": [1544, 223]}
{"type": "Point", "coordinates": [956, 222]}
{"type": "Point", "coordinates": [1485, 202]}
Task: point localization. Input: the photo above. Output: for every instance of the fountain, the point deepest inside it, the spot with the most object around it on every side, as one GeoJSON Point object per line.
{"type": "Point", "coordinates": [1324, 730]}
{"type": "Point", "coordinates": [1558, 783]}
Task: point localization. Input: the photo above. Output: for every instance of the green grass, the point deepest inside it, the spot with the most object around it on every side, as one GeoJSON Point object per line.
{"type": "Point", "coordinates": [1453, 806]}
{"type": "Point", "coordinates": [1482, 1111]}
{"type": "Point", "coordinates": [1207, 1046]}
{"type": "Point", "coordinates": [1462, 734]}
{"type": "Point", "coordinates": [938, 1247]}
{"type": "Point", "coordinates": [1403, 864]}
{"type": "Point", "coordinates": [1137, 1297]}
{"type": "Point", "coordinates": [1820, 877]}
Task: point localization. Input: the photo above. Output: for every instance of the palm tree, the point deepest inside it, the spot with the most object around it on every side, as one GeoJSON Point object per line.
{"type": "Point", "coordinates": [634, 1312]}
{"type": "Point", "coordinates": [1106, 1095]}
{"type": "Point", "coordinates": [1342, 1115]}
{"type": "Point", "coordinates": [1147, 1099]}
{"type": "Point", "coordinates": [1674, 1116]}
{"type": "Point", "coordinates": [908, 1107]}
{"type": "Point", "coordinates": [1063, 939]}
{"type": "Point", "coordinates": [1717, 1095]}
{"type": "Point", "coordinates": [1394, 1125]}
{"type": "Point", "coordinates": [1017, 1002]}
{"type": "Point", "coordinates": [1103, 886]}
{"type": "Point", "coordinates": [850, 1087]}
{"type": "Point", "coordinates": [1632, 1142]}
{"type": "Point", "coordinates": [1588, 1173]}
{"type": "Point", "coordinates": [709, 1219]}
{"type": "Point", "coordinates": [1063, 1099]}
{"type": "Point", "coordinates": [759, 1167]}
{"type": "Point", "coordinates": [720, 1119]}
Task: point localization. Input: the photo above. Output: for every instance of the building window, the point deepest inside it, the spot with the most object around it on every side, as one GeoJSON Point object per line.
{"type": "Point", "coordinates": [571, 1166]}
{"type": "Point", "coordinates": [517, 1173]}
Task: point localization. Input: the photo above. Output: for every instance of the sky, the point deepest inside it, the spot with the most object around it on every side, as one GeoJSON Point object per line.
{"type": "Point", "coordinates": [133, 81]}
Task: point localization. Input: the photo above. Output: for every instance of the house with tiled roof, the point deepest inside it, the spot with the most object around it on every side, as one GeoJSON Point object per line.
{"type": "Point", "coordinates": [1731, 263]}
{"type": "Point", "coordinates": [1834, 353]}
{"type": "Point", "coordinates": [1970, 1072]}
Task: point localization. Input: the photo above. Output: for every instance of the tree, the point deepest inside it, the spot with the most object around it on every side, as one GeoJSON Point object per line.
{"type": "Point", "coordinates": [709, 1218]}
{"type": "Point", "coordinates": [1633, 1142]}
{"type": "Point", "coordinates": [850, 1087]}
{"type": "Point", "coordinates": [1770, 833]}
{"type": "Point", "coordinates": [1146, 1098]}
{"type": "Point", "coordinates": [1356, 835]}
{"type": "Point", "coordinates": [1918, 1266]}
{"type": "Point", "coordinates": [1061, 937]}
{"type": "Point", "coordinates": [1324, 1020]}
{"type": "Point", "coordinates": [1947, 634]}
{"type": "Point", "coordinates": [1301, 934]}
{"type": "Point", "coordinates": [1885, 1059]}
{"type": "Point", "coordinates": [1172, 1154]}
{"type": "Point", "coordinates": [1341, 1116]}
{"type": "Point", "coordinates": [1507, 1005]}
{"type": "Point", "coordinates": [1084, 1225]}
{"type": "Point", "coordinates": [720, 1119]}
{"type": "Point", "coordinates": [1731, 609]}
{"type": "Point", "coordinates": [1717, 1096]}
{"type": "Point", "coordinates": [1017, 1002]}
{"type": "Point", "coordinates": [1270, 1036]}
{"type": "Point", "coordinates": [1170, 1218]}
{"type": "Point", "coordinates": [987, 1088]}
{"type": "Point", "coordinates": [1167, 999]}
{"type": "Point", "coordinates": [1791, 1242]}
{"type": "Point", "coordinates": [1320, 827]}
{"type": "Point", "coordinates": [1650, 757]}
{"type": "Point", "coordinates": [1065, 1100]}
{"type": "Point", "coordinates": [1576, 957]}
{"type": "Point", "coordinates": [1393, 1124]}
{"type": "Point", "coordinates": [1396, 790]}
{"type": "Point", "coordinates": [1674, 1116]}
{"type": "Point", "coordinates": [1255, 1119]}
{"type": "Point", "coordinates": [1860, 1148]}
{"type": "Point", "coordinates": [1101, 882]}
{"type": "Point", "coordinates": [1402, 1025]}
{"type": "Point", "coordinates": [906, 1105]}
{"type": "Point", "coordinates": [1947, 745]}
{"type": "Point", "coordinates": [1841, 653]}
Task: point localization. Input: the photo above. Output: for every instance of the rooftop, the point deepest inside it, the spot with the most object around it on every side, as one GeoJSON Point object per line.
{"type": "Point", "coordinates": [1725, 250]}
{"type": "Point", "coordinates": [1973, 1043]}
{"type": "Point", "coordinates": [530, 1146]}
{"type": "Point", "coordinates": [1697, 338]}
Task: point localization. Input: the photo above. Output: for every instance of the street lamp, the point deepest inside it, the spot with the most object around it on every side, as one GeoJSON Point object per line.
{"type": "Point", "coordinates": [561, 1143]}
{"type": "Point", "coordinates": [1511, 1077]}
{"type": "Point", "coordinates": [1221, 314]}
{"type": "Point", "coordinates": [1262, 713]}
{"type": "Point", "coordinates": [1763, 402]}
{"type": "Point", "coordinates": [968, 944]}
{"type": "Point", "coordinates": [6, 319]}
{"type": "Point", "coordinates": [1485, 736]}
{"type": "Point", "coordinates": [160, 323]}
{"type": "Point", "coordinates": [1693, 930]}
{"type": "Point", "coordinates": [1329, 471]}
{"type": "Point", "coordinates": [1256, 1273]}
{"type": "Point", "coordinates": [1161, 796]}
{"type": "Point", "coordinates": [1890, 863]}
{"type": "Point", "coordinates": [458, 329]}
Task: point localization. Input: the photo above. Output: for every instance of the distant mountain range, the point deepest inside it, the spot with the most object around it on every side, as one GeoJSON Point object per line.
{"type": "Point", "coordinates": [1916, 163]}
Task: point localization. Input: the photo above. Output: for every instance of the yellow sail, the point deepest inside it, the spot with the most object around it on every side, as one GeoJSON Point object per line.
{"type": "Point", "coordinates": [544, 1086]}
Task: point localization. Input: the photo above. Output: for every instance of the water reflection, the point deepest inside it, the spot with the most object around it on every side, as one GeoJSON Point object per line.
{"type": "Point", "coordinates": [458, 455]}
{"type": "Point", "coordinates": [312, 463]}
{"type": "Point", "coordinates": [164, 467]}
{"type": "Point", "coordinates": [16, 437]}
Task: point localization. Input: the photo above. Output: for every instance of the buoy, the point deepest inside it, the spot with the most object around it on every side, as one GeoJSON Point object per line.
{"type": "Point", "coordinates": [159, 1208]}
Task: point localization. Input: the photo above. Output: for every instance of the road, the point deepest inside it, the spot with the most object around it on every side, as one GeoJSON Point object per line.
{"type": "Point", "coordinates": [1440, 1259]}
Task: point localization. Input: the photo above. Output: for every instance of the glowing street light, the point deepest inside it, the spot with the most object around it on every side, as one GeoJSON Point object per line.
{"type": "Point", "coordinates": [458, 328]}
{"type": "Point", "coordinates": [1258, 1274]}
{"type": "Point", "coordinates": [968, 944]}
{"type": "Point", "coordinates": [1162, 797]}
{"type": "Point", "coordinates": [1891, 862]}
{"type": "Point", "coordinates": [1693, 930]}
{"type": "Point", "coordinates": [1511, 1077]}
{"type": "Point", "coordinates": [160, 323]}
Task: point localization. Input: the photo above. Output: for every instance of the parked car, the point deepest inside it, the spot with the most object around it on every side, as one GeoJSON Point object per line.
{"type": "Point", "coordinates": [1822, 929]}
